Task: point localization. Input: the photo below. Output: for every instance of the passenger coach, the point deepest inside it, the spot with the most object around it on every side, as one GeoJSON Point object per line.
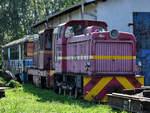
{"type": "Point", "coordinates": [17, 57]}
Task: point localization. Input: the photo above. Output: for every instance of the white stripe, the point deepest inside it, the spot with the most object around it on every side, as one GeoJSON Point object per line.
{"type": "Point", "coordinates": [76, 58]}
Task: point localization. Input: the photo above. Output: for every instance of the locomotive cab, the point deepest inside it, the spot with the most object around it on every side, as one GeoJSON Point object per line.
{"type": "Point", "coordinates": [43, 50]}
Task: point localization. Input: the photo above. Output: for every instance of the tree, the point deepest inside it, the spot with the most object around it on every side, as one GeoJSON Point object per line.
{"type": "Point", "coordinates": [17, 16]}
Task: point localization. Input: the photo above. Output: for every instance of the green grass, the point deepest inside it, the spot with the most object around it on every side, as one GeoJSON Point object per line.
{"type": "Point", "coordinates": [29, 99]}
{"type": "Point", "coordinates": [2, 82]}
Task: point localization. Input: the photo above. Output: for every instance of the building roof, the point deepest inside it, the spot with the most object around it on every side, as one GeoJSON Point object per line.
{"type": "Point", "coordinates": [70, 9]}
{"type": "Point", "coordinates": [27, 38]}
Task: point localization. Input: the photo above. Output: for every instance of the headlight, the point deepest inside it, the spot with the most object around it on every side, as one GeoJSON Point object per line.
{"type": "Point", "coordinates": [114, 34]}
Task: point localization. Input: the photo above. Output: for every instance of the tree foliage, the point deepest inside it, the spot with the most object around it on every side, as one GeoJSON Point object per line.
{"type": "Point", "coordinates": [17, 16]}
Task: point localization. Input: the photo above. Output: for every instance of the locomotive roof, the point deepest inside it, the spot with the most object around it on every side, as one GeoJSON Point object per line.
{"type": "Point", "coordinates": [88, 21]}
{"type": "Point", "coordinates": [27, 38]}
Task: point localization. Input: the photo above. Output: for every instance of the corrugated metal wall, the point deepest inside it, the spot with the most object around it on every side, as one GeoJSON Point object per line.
{"type": "Point", "coordinates": [113, 49]}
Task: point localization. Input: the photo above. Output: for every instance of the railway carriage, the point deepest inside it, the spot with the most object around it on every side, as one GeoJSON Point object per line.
{"type": "Point", "coordinates": [92, 62]}
{"type": "Point", "coordinates": [17, 57]}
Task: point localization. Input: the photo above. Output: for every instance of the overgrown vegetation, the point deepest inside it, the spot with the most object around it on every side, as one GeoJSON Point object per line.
{"type": "Point", "coordinates": [2, 82]}
{"type": "Point", "coordinates": [29, 99]}
{"type": "Point", "coordinates": [11, 83]}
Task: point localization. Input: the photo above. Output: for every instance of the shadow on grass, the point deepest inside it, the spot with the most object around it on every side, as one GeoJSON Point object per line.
{"type": "Point", "coordinates": [45, 95]}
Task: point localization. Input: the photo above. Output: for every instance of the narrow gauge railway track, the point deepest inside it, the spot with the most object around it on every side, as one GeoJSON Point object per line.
{"type": "Point", "coordinates": [136, 100]}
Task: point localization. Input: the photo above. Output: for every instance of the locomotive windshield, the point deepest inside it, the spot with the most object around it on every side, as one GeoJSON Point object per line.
{"type": "Point", "coordinates": [100, 28]}
{"type": "Point", "coordinates": [78, 29]}
{"type": "Point", "coordinates": [74, 30]}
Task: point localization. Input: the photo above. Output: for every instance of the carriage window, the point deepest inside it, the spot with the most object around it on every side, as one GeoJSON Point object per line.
{"type": "Point", "coordinates": [48, 41]}
{"type": "Point", "coordinates": [25, 49]}
{"type": "Point", "coordinates": [5, 54]}
{"type": "Point", "coordinates": [74, 30]}
{"type": "Point", "coordinates": [14, 53]}
{"type": "Point", "coordinates": [41, 41]}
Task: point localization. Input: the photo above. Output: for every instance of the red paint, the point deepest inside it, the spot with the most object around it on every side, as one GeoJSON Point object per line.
{"type": "Point", "coordinates": [134, 82]}
{"type": "Point", "coordinates": [104, 91]}
{"type": "Point", "coordinates": [90, 85]}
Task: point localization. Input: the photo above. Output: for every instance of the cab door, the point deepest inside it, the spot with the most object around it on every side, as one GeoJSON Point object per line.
{"type": "Point", "coordinates": [59, 57]}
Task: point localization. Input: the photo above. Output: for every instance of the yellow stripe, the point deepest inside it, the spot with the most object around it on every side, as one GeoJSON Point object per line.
{"type": "Point", "coordinates": [52, 72]}
{"type": "Point", "coordinates": [64, 58]}
{"type": "Point", "coordinates": [29, 54]}
{"type": "Point", "coordinates": [86, 80]}
{"type": "Point", "coordinates": [98, 87]}
{"type": "Point", "coordinates": [115, 57]}
{"type": "Point", "coordinates": [97, 57]}
{"type": "Point", "coordinates": [105, 99]}
{"type": "Point", "coordinates": [45, 52]}
{"type": "Point", "coordinates": [125, 83]}
{"type": "Point", "coordinates": [35, 53]}
{"type": "Point", "coordinates": [141, 80]}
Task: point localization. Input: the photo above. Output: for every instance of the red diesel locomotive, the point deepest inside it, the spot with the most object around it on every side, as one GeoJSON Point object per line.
{"type": "Point", "coordinates": [89, 61]}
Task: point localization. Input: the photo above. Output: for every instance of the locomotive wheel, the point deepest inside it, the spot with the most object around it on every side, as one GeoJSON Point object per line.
{"type": "Point", "coordinates": [76, 93]}
{"type": "Point", "coordinates": [59, 90]}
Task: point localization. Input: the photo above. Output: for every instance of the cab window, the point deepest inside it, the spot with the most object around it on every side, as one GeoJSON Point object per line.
{"type": "Point", "coordinates": [55, 33]}
{"type": "Point", "coordinates": [48, 44]}
{"type": "Point", "coordinates": [61, 32]}
{"type": "Point", "coordinates": [41, 41]}
{"type": "Point", "coordinates": [101, 28]}
{"type": "Point", "coordinates": [74, 30]}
